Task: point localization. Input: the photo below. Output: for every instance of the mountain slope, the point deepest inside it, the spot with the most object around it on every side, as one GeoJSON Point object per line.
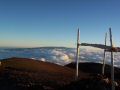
{"type": "Point", "coordinates": [28, 74]}
{"type": "Point", "coordinates": [17, 73]}
{"type": "Point", "coordinates": [95, 68]}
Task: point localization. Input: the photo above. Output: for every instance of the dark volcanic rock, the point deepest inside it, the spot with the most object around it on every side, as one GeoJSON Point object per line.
{"type": "Point", "coordinates": [95, 83]}
{"type": "Point", "coordinates": [28, 74]}
{"type": "Point", "coordinates": [96, 68]}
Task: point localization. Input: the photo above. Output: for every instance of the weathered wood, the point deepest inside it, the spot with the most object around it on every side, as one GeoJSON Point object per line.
{"type": "Point", "coordinates": [104, 58]}
{"type": "Point", "coordinates": [77, 54]}
{"type": "Point", "coordinates": [112, 61]}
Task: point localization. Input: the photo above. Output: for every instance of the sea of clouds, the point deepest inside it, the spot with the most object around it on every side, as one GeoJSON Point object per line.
{"type": "Point", "coordinates": [60, 55]}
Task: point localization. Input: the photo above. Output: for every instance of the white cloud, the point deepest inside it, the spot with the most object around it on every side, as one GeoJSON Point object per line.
{"type": "Point", "coordinates": [42, 59]}
{"type": "Point", "coordinates": [61, 56]}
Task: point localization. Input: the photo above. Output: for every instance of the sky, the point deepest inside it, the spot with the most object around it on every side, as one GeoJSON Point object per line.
{"type": "Point", "coordinates": [38, 23]}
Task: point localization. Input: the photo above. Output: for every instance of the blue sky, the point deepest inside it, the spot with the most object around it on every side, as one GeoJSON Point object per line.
{"type": "Point", "coordinates": [36, 23]}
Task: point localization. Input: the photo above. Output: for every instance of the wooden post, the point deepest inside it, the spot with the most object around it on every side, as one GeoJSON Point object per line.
{"type": "Point", "coordinates": [112, 61]}
{"type": "Point", "coordinates": [77, 54]}
{"type": "Point", "coordinates": [103, 67]}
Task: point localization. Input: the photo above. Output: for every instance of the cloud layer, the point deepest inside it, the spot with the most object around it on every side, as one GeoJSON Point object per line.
{"type": "Point", "coordinates": [61, 55]}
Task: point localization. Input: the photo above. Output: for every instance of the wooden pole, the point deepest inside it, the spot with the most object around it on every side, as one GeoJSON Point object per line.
{"type": "Point", "coordinates": [103, 67]}
{"type": "Point", "coordinates": [112, 61]}
{"type": "Point", "coordinates": [77, 54]}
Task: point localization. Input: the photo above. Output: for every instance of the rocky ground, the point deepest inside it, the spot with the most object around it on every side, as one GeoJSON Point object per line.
{"type": "Point", "coordinates": [28, 74]}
